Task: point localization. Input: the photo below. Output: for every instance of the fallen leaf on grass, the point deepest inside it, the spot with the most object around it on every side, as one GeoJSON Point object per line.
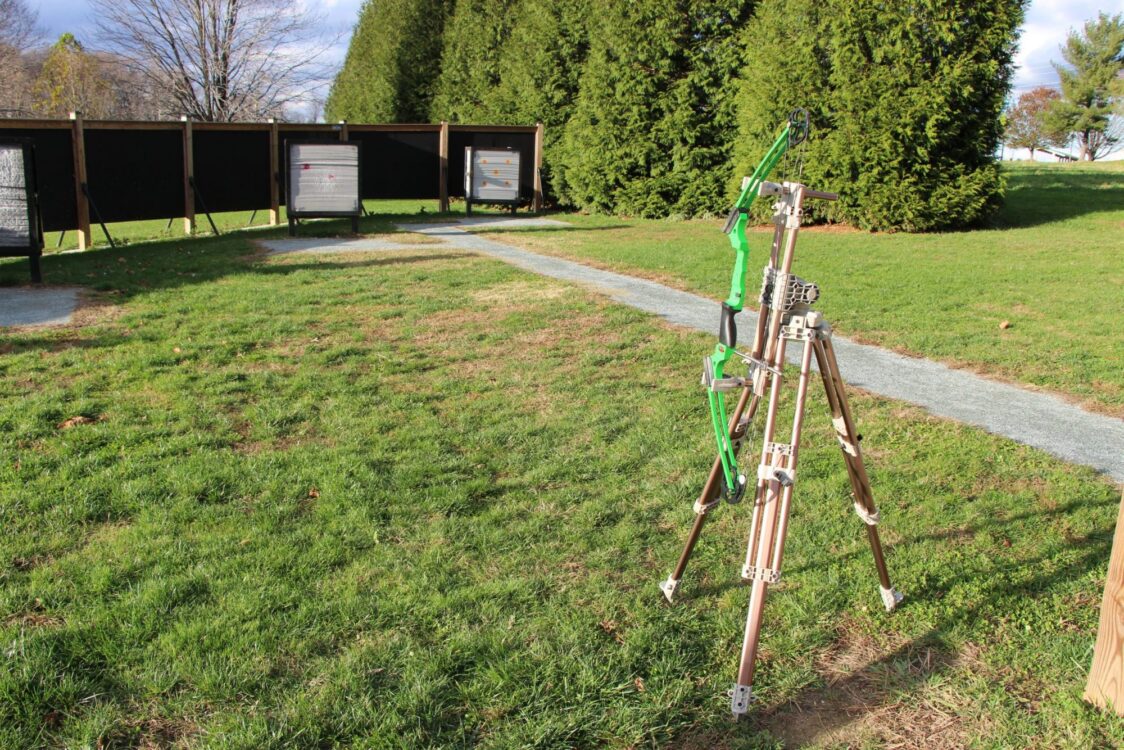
{"type": "Point", "coordinates": [611, 628]}
{"type": "Point", "coordinates": [75, 421]}
{"type": "Point", "coordinates": [1005, 325]}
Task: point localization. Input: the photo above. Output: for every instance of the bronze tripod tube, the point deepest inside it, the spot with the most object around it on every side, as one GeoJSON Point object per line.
{"type": "Point", "coordinates": [747, 404]}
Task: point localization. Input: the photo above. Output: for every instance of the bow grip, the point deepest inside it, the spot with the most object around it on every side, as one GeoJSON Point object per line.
{"type": "Point", "coordinates": [727, 328]}
{"type": "Point", "coordinates": [732, 219]}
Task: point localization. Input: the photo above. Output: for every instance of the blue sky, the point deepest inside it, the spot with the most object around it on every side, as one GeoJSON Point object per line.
{"type": "Point", "coordinates": [1044, 30]}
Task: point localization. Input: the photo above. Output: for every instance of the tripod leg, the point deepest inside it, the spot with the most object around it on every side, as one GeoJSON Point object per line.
{"type": "Point", "coordinates": [848, 439]}
{"type": "Point", "coordinates": [708, 498]}
{"type": "Point", "coordinates": [776, 477]}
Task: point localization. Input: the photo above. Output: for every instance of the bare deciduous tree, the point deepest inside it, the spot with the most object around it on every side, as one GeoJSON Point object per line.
{"type": "Point", "coordinates": [18, 25]}
{"type": "Point", "coordinates": [19, 31]}
{"type": "Point", "coordinates": [219, 60]}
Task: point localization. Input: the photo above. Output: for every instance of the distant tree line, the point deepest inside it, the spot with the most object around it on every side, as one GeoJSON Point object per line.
{"type": "Point", "coordinates": [656, 107]}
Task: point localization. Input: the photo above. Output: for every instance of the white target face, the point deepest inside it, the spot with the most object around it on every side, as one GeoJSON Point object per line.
{"type": "Point", "coordinates": [324, 178]}
{"type": "Point", "coordinates": [15, 231]}
{"type": "Point", "coordinates": [495, 175]}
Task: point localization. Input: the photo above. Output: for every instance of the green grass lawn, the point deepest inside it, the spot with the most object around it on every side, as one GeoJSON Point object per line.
{"type": "Point", "coordinates": [424, 499]}
{"type": "Point", "coordinates": [1052, 267]}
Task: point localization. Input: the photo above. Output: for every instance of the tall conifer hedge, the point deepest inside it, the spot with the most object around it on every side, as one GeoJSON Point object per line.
{"type": "Point", "coordinates": [470, 64]}
{"type": "Point", "coordinates": [540, 68]}
{"type": "Point", "coordinates": [653, 122]}
{"type": "Point", "coordinates": [905, 100]}
{"type": "Point", "coordinates": [657, 107]}
{"type": "Point", "coordinates": [392, 63]}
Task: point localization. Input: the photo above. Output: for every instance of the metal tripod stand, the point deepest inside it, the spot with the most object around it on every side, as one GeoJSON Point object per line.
{"type": "Point", "coordinates": [785, 316]}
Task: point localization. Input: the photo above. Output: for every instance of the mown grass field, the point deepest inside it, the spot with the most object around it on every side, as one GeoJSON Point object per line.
{"type": "Point", "coordinates": [1052, 268]}
{"type": "Point", "coordinates": [423, 499]}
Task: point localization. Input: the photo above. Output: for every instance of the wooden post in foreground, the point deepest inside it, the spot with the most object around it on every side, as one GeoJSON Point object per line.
{"type": "Point", "coordinates": [274, 175]}
{"type": "Point", "coordinates": [1106, 677]}
{"type": "Point", "coordinates": [78, 137]}
{"type": "Point", "coordinates": [443, 169]}
{"type": "Point", "coordinates": [188, 176]}
{"type": "Point", "coordinates": [536, 201]}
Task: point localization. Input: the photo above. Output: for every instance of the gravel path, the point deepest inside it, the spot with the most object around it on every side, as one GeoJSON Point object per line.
{"type": "Point", "coordinates": [37, 307]}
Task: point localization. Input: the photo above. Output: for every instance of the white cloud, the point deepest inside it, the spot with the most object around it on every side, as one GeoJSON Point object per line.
{"type": "Point", "coordinates": [1047, 24]}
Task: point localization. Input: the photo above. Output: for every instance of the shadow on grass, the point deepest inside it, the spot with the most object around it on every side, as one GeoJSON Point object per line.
{"type": "Point", "coordinates": [1048, 195]}
{"type": "Point", "coordinates": [57, 343]}
{"type": "Point", "coordinates": [137, 269]}
{"type": "Point", "coordinates": [897, 697]}
{"type": "Point", "coordinates": [861, 684]}
{"type": "Point", "coordinates": [956, 532]}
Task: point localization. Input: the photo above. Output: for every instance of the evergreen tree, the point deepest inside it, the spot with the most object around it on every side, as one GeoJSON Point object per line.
{"type": "Point", "coordinates": [653, 123]}
{"type": "Point", "coordinates": [906, 102]}
{"type": "Point", "coordinates": [1092, 86]}
{"type": "Point", "coordinates": [470, 61]}
{"type": "Point", "coordinates": [540, 67]}
{"type": "Point", "coordinates": [392, 63]}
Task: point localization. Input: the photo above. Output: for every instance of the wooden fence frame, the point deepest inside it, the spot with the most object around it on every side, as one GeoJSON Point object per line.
{"type": "Point", "coordinates": [276, 131]}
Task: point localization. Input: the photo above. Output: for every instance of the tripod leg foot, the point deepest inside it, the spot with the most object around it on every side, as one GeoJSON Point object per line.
{"type": "Point", "coordinates": [668, 588]}
{"type": "Point", "coordinates": [740, 698]}
{"type": "Point", "coordinates": [890, 598]}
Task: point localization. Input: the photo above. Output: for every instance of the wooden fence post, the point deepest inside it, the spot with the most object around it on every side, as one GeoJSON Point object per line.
{"type": "Point", "coordinates": [1105, 687]}
{"type": "Point", "coordinates": [536, 200]}
{"type": "Point", "coordinates": [78, 137]}
{"type": "Point", "coordinates": [274, 175]}
{"type": "Point", "coordinates": [343, 130]}
{"type": "Point", "coordinates": [188, 178]}
{"type": "Point", "coordinates": [443, 168]}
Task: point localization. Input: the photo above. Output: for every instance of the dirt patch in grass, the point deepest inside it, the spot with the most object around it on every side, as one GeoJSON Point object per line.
{"type": "Point", "coordinates": [446, 331]}
{"type": "Point", "coordinates": [35, 617]}
{"type": "Point", "coordinates": [503, 294]}
{"type": "Point", "coordinates": [880, 693]}
{"type": "Point", "coordinates": [159, 734]}
{"type": "Point", "coordinates": [407, 238]}
{"type": "Point", "coordinates": [250, 447]}
{"type": "Point", "coordinates": [591, 330]}
{"type": "Point", "coordinates": [25, 564]}
{"type": "Point", "coordinates": [831, 229]}
{"type": "Point", "coordinates": [153, 733]}
{"type": "Point", "coordinates": [95, 309]}
{"type": "Point", "coordinates": [33, 620]}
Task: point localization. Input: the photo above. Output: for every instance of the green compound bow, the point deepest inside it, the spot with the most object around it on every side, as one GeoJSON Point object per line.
{"type": "Point", "coordinates": [793, 133]}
